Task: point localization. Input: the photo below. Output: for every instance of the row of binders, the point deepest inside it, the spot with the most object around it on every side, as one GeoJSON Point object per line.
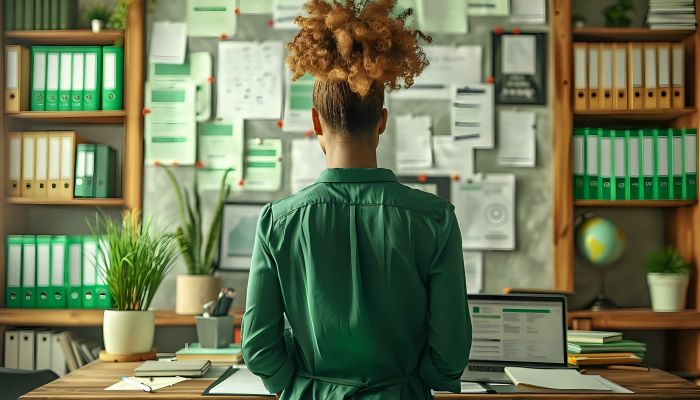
{"type": "Point", "coordinates": [635, 164]}
{"type": "Point", "coordinates": [64, 78]}
{"type": "Point", "coordinates": [40, 14]}
{"type": "Point", "coordinates": [634, 76]}
{"type": "Point", "coordinates": [56, 272]}
{"type": "Point", "coordinates": [60, 166]}
{"type": "Point", "coordinates": [58, 351]}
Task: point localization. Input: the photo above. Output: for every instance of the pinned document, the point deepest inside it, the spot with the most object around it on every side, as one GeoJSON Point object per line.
{"type": "Point", "coordinates": [474, 270]}
{"type": "Point", "coordinates": [16, 79]}
{"type": "Point", "coordinates": [447, 16]}
{"type": "Point", "coordinates": [211, 18]}
{"type": "Point", "coordinates": [263, 165]}
{"type": "Point", "coordinates": [528, 12]}
{"type": "Point", "coordinates": [298, 104]}
{"type": "Point", "coordinates": [308, 161]}
{"type": "Point", "coordinates": [168, 43]}
{"type": "Point", "coordinates": [255, 6]}
{"type": "Point", "coordinates": [413, 143]}
{"type": "Point", "coordinates": [517, 138]}
{"type": "Point", "coordinates": [202, 70]}
{"type": "Point", "coordinates": [497, 8]}
{"type": "Point", "coordinates": [472, 115]}
{"type": "Point", "coordinates": [171, 129]}
{"type": "Point", "coordinates": [284, 12]}
{"type": "Point", "coordinates": [221, 146]}
{"type": "Point", "coordinates": [452, 158]}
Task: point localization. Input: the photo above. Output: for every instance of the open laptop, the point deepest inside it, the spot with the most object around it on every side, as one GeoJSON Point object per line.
{"type": "Point", "coordinates": [515, 330]}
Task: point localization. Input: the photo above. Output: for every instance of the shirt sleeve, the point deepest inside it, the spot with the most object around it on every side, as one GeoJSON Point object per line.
{"type": "Point", "coordinates": [263, 343]}
{"type": "Point", "coordinates": [449, 325]}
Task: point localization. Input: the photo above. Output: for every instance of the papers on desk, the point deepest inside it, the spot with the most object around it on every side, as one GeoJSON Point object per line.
{"type": "Point", "coordinates": [413, 143]}
{"type": "Point", "coordinates": [168, 43]}
{"type": "Point", "coordinates": [170, 126]}
{"type": "Point", "coordinates": [528, 12]}
{"type": "Point", "coordinates": [308, 161]}
{"type": "Point", "coordinates": [488, 7]}
{"type": "Point", "coordinates": [238, 381]}
{"type": "Point", "coordinates": [250, 80]}
{"type": "Point", "coordinates": [284, 12]}
{"type": "Point", "coordinates": [468, 387]}
{"type": "Point", "coordinates": [449, 65]}
{"type": "Point", "coordinates": [561, 380]}
{"type": "Point", "coordinates": [444, 16]}
{"type": "Point", "coordinates": [153, 383]}
{"type": "Point", "coordinates": [472, 115]}
{"type": "Point", "coordinates": [474, 270]}
{"type": "Point", "coordinates": [485, 209]}
{"type": "Point", "coordinates": [211, 18]}
{"type": "Point", "coordinates": [299, 100]}
{"type": "Point", "coordinates": [516, 138]}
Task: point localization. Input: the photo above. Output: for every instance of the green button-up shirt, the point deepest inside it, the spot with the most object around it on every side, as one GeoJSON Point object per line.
{"type": "Point", "coordinates": [370, 276]}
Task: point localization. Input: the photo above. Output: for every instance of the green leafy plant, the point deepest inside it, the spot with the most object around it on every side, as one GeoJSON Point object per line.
{"type": "Point", "coordinates": [136, 260]}
{"type": "Point", "coordinates": [197, 252]}
{"type": "Point", "coordinates": [616, 14]}
{"type": "Point", "coordinates": [118, 19]}
{"type": "Point", "coordinates": [97, 11]}
{"type": "Point", "coordinates": [667, 261]}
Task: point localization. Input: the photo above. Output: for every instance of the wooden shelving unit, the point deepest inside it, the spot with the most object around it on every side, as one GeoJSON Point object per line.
{"type": "Point", "coordinates": [682, 218]}
{"type": "Point", "coordinates": [14, 210]}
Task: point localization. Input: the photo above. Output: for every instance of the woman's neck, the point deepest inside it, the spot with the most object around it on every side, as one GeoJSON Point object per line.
{"type": "Point", "coordinates": [351, 154]}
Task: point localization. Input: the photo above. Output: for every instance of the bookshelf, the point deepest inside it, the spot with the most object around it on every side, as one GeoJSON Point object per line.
{"type": "Point", "coordinates": [681, 218]}
{"type": "Point", "coordinates": [14, 210]}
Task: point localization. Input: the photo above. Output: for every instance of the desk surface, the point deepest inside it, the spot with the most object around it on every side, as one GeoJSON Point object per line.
{"type": "Point", "coordinates": [89, 383]}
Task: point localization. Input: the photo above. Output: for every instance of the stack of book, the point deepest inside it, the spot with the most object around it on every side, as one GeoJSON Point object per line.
{"type": "Point", "coordinates": [219, 357]}
{"type": "Point", "coordinates": [603, 348]}
{"type": "Point", "coordinates": [671, 14]}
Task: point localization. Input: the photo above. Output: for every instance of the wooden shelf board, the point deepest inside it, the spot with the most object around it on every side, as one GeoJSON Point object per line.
{"type": "Point", "coordinates": [635, 203]}
{"type": "Point", "coordinates": [77, 117]}
{"type": "Point", "coordinates": [78, 37]}
{"type": "Point", "coordinates": [639, 319]}
{"type": "Point", "coordinates": [600, 34]}
{"type": "Point", "coordinates": [116, 202]}
{"type": "Point", "coordinates": [598, 116]}
{"type": "Point", "coordinates": [87, 318]}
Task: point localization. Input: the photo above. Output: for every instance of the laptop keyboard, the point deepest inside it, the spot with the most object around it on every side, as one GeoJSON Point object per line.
{"type": "Point", "coordinates": [485, 368]}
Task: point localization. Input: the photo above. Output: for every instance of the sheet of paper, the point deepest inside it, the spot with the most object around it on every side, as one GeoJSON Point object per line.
{"type": "Point", "coordinates": [413, 142]}
{"type": "Point", "coordinates": [255, 6]}
{"type": "Point", "coordinates": [517, 138]}
{"type": "Point", "coordinates": [210, 180]}
{"type": "Point", "coordinates": [250, 80]}
{"type": "Point", "coordinates": [519, 54]}
{"type": "Point", "coordinates": [444, 16]}
{"type": "Point", "coordinates": [284, 12]}
{"type": "Point", "coordinates": [528, 12]}
{"type": "Point", "coordinates": [485, 209]}
{"type": "Point", "coordinates": [242, 382]}
{"type": "Point", "coordinates": [168, 42]}
{"type": "Point", "coordinates": [211, 18]}
{"type": "Point", "coordinates": [474, 270]}
{"type": "Point", "coordinates": [468, 387]}
{"type": "Point", "coordinates": [154, 383]}
{"type": "Point", "coordinates": [202, 71]}
{"type": "Point", "coordinates": [308, 161]}
{"type": "Point", "coordinates": [498, 8]}
{"type": "Point", "coordinates": [451, 158]}
{"type": "Point", "coordinates": [263, 165]}
{"type": "Point", "coordinates": [170, 126]}
{"type": "Point", "coordinates": [221, 145]}
{"type": "Point", "coordinates": [472, 115]}
{"type": "Point", "coordinates": [299, 100]}
{"type": "Point", "coordinates": [449, 65]}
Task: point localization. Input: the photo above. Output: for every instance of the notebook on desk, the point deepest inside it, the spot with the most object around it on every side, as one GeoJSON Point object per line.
{"type": "Point", "coordinates": [190, 369]}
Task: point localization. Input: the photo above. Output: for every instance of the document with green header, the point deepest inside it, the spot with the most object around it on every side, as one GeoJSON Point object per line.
{"type": "Point", "coordinates": [298, 104]}
{"type": "Point", "coordinates": [221, 145]}
{"type": "Point", "coordinates": [263, 165]}
{"type": "Point", "coordinates": [171, 129]}
{"type": "Point", "coordinates": [211, 18]}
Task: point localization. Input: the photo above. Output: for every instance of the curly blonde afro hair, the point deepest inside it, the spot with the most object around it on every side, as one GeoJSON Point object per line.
{"type": "Point", "coordinates": [357, 42]}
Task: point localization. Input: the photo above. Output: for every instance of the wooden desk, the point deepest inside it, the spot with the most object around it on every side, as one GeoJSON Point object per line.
{"type": "Point", "coordinates": [89, 383]}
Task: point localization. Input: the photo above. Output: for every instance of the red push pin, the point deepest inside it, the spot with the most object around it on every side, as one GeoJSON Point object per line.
{"type": "Point", "coordinates": [309, 134]}
{"type": "Point", "coordinates": [237, 11]}
{"type": "Point", "coordinates": [422, 178]}
{"type": "Point", "coordinates": [280, 124]}
{"type": "Point", "coordinates": [241, 182]}
{"type": "Point", "coordinates": [516, 31]}
{"type": "Point", "coordinates": [199, 165]}
{"type": "Point", "coordinates": [146, 111]}
{"type": "Point", "coordinates": [498, 30]}
{"type": "Point", "coordinates": [456, 178]}
{"type": "Point", "coordinates": [223, 36]}
{"type": "Point", "coordinates": [156, 163]}
{"type": "Point", "coordinates": [270, 22]}
{"type": "Point", "coordinates": [210, 79]}
{"type": "Point", "coordinates": [491, 80]}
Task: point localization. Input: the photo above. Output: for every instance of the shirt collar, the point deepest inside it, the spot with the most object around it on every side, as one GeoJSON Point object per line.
{"type": "Point", "coordinates": [356, 175]}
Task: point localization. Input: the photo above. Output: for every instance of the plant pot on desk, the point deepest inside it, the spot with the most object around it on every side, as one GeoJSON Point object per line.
{"type": "Point", "coordinates": [667, 291]}
{"type": "Point", "coordinates": [193, 291]}
{"type": "Point", "coordinates": [128, 332]}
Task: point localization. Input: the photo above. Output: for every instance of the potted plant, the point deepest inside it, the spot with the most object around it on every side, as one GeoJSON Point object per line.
{"type": "Point", "coordinates": [97, 16]}
{"type": "Point", "coordinates": [133, 260]}
{"type": "Point", "coordinates": [616, 14]}
{"type": "Point", "coordinates": [667, 276]}
{"type": "Point", "coordinates": [199, 285]}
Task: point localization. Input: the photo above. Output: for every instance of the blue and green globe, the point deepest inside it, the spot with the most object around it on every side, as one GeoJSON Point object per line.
{"type": "Point", "coordinates": [600, 241]}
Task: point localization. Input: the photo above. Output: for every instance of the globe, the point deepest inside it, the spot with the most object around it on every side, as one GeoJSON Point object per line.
{"type": "Point", "coordinates": [600, 241]}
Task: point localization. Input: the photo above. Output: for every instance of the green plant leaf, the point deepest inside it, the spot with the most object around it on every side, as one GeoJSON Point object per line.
{"type": "Point", "coordinates": [667, 261]}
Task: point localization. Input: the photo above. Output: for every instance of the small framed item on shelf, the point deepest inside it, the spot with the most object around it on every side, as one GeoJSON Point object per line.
{"type": "Point", "coordinates": [238, 228]}
{"type": "Point", "coordinates": [520, 67]}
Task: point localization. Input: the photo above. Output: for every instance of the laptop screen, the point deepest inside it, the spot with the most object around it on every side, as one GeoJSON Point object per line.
{"type": "Point", "coordinates": [518, 330]}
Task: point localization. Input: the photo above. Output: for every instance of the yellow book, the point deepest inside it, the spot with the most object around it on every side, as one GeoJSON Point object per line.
{"type": "Point", "coordinates": [603, 359]}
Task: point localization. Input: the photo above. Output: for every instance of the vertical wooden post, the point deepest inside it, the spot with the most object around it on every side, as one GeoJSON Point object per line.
{"type": "Point", "coordinates": [134, 53]}
{"type": "Point", "coordinates": [562, 196]}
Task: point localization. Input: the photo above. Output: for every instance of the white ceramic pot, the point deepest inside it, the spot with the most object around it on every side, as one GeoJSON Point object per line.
{"type": "Point", "coordinates": [128, 332]}
{"type": "Point", "coordinates": [193, 291]}
{"type": "Point", "coordinates": [667, 291]}
{"type": "Point", "coordinates": [96, 25]}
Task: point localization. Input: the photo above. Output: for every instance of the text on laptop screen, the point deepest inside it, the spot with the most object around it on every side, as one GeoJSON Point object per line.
{"type": "Point", "coordinates": [517, 331]}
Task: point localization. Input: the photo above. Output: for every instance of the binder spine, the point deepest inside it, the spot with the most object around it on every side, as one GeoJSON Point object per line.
{"type": "Point", "coordinates": [13, 271]}
{"type": "Point", "coordinates": [605, 162]}
{"type": "Point", "coordinates": [578, 168]}
{"type": "Point", "coordinates": [28, 298]}
{"type": "Point", "coordinates": [38, 101]}
{"type": "Point", "coordinates": [690, 164]}
{"type": "Point", "coordinates": [676, 164]}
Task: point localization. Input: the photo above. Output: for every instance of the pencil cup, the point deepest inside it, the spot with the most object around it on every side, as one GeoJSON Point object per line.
{"type": "Point", "coordinates": [215, 332]}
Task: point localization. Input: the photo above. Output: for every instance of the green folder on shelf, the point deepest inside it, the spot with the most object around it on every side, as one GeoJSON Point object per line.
{"type": "Point", "coordinates": [648, 158]}
{"type": "Point", "coordinates": [85, 171]}
{"type": "Point", "coordinates": [28, 14]}
{"type": "Point", "coordinates": [75, 272]}
{"type": "Point", "coordinates": [578, 163]}
{"type": "Point", "coordinates": [663, 156]}
{"type": "Point", "coordinates": [65, 82]}
{"type": "Point", "coordinates": [620, 346]}
{"type": "Point", "coordinates": [68, 10]}
{"type": "Point", "coordinates": [592, 163]}
{"type": "Point", "coordinates": [103, 296]}
{"type": "Point", "coordinates": [59, 269]}
{"type": "Point", "coordinates": [38, 13]}
{"type": "Point", "coordinates": [105, 179]}
{"type": "Point", "coordinates": [53, 62]}
{"type": "Point", "coordinates": [79, 176]}
{"type": "Point", "coordinates": [28, 298]}
{"type": "Point", "coordinates": [93, 78]}
{"type": "Point", "coordinates": [112, 77]}
{"type": "Point", "coordinates": [43, 271]}
{"type": "Point", "coordinates": [78, 79]}
{"type": "Point", "coordinates": [19, 14]}
{"type": "Point", "coordinates": [676, 164]}
{"type": "Point", "coordinates": [54, 15]}
{"type": "Point", "coordinates": [605, 162]}
{"type": "Point", "coordinates": [620, 175]}
{"type": "Point", "coordinates": [9, 14]}
{"type": "Point", "coordinates": [13, 277]}
{"type": "Point", "coordinates": [634, 179]}
{"type": "Point", "coordinates": [38, 79]}
{"type": "Point", "coordinates": [89, 284]}
{"type": "Point", "coordinates": [690, 188]}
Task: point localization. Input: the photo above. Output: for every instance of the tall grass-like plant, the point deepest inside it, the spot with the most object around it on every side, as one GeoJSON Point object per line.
{"type": "Point", "coordinates": [667, 261]}
{"type": "Point", "coordinates": [197, 251]}
{"type": "Point", "coordinates": [136, 260]}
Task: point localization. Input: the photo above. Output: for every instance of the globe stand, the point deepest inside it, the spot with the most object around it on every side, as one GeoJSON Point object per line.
{"type": "Point", "coordinates": [601, 302]}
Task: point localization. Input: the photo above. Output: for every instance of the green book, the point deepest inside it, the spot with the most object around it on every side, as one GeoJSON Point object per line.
{"type": "Point", "coordinates": [54, 14]}
{"type": "Point", "coordinates": [38, 79]}
{"type": "Point", "coordinates": [89, 283]}
{"type": "Point", "coordinates": [93, 78]}
{"type": "Point", "coordinates": [80, 188]}
{"type": "Point", "coordinates": [592, 164]}
{"type": "Point", "coordinates": [103, 296]}
{"type": "Point", "coordinates": [65, 82]}
{"type": "Point", "coordinates": [59, 269]}
{"type": "Point", "coordinates": [67, 14]}
{"type": "Point", "coordinates": [105, 178]}
{"type": "Point", "coordinates": [578, 165]}
{"type": "Point", "coordinates": [620, 175]}
{"type": "Point", "coordinates": [38, 13]}
{"type": "Point", "coordinates": [112, 77]}
{"type": "Point", "coordinates": [196, 349]}
{"type": "Point", "coordinates": [28, 298]}
{"type": "Point", "coordinates": [43, 271]}
{"type": "Point", "coordinates": [605, 161]}
{"type": "Point", "coordinates": [690, 165]}
{"type": "Point", "coordinates": [75, 272]}
{"type": "Point", "coordinates": [650, 189]}
{"type": "Point", "coordinates": [621, 346]}
{"type": "Point", "coordinates": [53, 62]}
{"type": "Point", "coordinates": [676, 167]}
{"type": "Point", "coordinates": [77, 79]}
{"type": "Point", "coordinates": [28, 14]}
{"type": "Point", "coordinates": [634, 179]}
{"type": "Point", "coordinates": [46, 14]}
{"type": "Point", "coordinates": [9, 15]}
{"type": "Point", "coordinates": [19, 14]}
{"type": "Point", "coordinates": [661, 170]}
{"type": "Point", "coordinates": [13, 271]}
